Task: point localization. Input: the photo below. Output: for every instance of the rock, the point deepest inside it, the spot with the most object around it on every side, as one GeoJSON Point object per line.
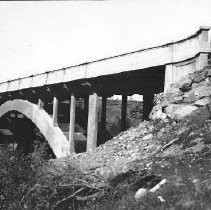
{"type": "Point", "coordinates": [173, 88]}
{"type": "Point", "coordinates": [190, 97]}
{"type": "Point", "coordinates": [207, 81]}
{"type": "Point", "coordinates": [172, 99]}
{"type": "Point", "coordinates": [149, 136]}
{"type": "Point", "coordinates": [184, 111]}
{"type": "Point", "coordinates": [179, 111]}
{"type": "Point", "coordinates": [177, 99]}
{"type": "Point", "coordinates": [161, 199]}
{"type": "Point", "coordinates": [203, 101]}
{"type": "Point", "coordinates": [202, 91]}
{"type": "Point", "coordinates": [140, 193]}
{"type": "Point", "coordinates": [208, 72]}
{"type": "Point", "coordinates": [172, 108]}
{"type": "Point", "coordinates": [182, 130]}
{"type": "Point", "coordinates": [195, 85]}
{"type": "Point", "coordinates": [185, 84]}
{"type": "Point", "coordinates": [198, 77]}
{"type": "Point", "coordinates": [158, 115]}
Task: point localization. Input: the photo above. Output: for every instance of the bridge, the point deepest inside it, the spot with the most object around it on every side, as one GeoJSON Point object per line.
{"type": "Point", "coordinates": [49, 99]}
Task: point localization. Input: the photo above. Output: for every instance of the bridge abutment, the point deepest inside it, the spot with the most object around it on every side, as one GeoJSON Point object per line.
{"type": "Point", "coordinates": [175, 70]}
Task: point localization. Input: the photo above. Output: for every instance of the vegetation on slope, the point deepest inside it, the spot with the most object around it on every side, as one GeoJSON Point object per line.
{"type": "Point", "coordinates": [180, 152]}
{"type": "Point", "coordinates": [175, 147]}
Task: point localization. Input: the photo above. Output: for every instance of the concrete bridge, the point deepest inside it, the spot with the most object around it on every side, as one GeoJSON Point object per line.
{"type": "Point", "coordinates": [44, 98]}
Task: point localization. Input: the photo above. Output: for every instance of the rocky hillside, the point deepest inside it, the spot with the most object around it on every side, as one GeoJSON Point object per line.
{"type": "Point", "coordinates": [184, 97]}
{"type": "Point", "coordinates": [188, 100]}
{"type": "Point", "coordinates": [175, 145]}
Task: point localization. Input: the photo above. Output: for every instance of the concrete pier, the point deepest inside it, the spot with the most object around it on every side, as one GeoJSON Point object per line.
{"type": "Point", "coordinates": [147, 105]}
{"type": "Point", "coordinates": [72, 123]}
{"type": "Point", "coordinates": [55, 111]}
{"type": "Point", "coordinates": [40, 104]}
{"type": "Point", "coordinates": [92, 121]}
{"type": "Point", "coordinates": [124, 113]}
{"type": "Point", "coordinates": [103, 112]}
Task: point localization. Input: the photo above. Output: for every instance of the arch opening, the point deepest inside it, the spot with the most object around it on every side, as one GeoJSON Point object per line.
{"type": "Point", "coordinates": [30, 115]}
{"type": "Point", "coordinates": [19, 132]}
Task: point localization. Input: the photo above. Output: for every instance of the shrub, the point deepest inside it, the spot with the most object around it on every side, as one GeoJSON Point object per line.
{"type": "Point", "coordinates": [16, 176]}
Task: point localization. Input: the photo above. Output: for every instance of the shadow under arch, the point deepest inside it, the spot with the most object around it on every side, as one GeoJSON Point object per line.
{"type": "Point", "coordinates": [20, 133]}
{"type": "Point", "coordinates": [55, 137]}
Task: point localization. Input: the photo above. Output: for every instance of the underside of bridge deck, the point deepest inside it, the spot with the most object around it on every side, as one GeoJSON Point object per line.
{"type": "Point", "coordinates": [77, 103]}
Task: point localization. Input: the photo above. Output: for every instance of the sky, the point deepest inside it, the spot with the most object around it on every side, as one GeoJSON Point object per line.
{"type": "Point", "coordinates": [43, 36]}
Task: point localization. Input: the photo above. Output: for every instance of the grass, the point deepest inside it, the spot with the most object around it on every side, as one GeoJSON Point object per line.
{"type": "Point", "coordinates": [30, 182]}
{"type": "Point", "coordinates": [188, 187]}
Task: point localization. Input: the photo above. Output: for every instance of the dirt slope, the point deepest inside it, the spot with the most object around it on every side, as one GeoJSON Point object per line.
{"type": "Point", "coordinates": [175, 145]}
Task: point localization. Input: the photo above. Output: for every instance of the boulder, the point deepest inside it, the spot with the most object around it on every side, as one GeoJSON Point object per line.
{"type": "Point", "coordinates": [172, 108]}
{"type": "Point", "coordinates": [158, 114]}
{"type": "Point", "coordinates": [174, 97]}
{"type": "Point", "coordinates": [190, 96]}
{"type": "Point", "coordinates": [203, 101]}
{"type": "Point", "coordinates": [147, 137]}
{"type": "Point", "coordinates": [179, 111]}
{"type": "Point", "coordinates": [199, 76]}
{"type": "Point", "coordinates": [185, 84]}
{"type": "Point", "coordinates": [140, 193]}
{"type": "Point", "coordinates": [202, 91]}
{"type": "Point", "coordinates": [195, 85]}
{"type": "Point", "coordinates": [208, 72]}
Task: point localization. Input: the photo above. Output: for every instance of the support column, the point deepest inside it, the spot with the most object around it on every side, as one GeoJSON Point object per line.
{"type": "Point", "coordinates": [86, 108]}
{"type": "Point", "coordinates": [72, 123]}
{"type": "Point", "coordinates": [103, 113]}
{"type": "Point", "coordinates": [124, 113]}
{"type": "Point", "coordinates": [147, 105]}
{"type": "Point", "coordinates": [40, 104]}
{"type": "Point", "coordinates": [92, 122]}
{"type": "Point", "coordinates": [55, 111]}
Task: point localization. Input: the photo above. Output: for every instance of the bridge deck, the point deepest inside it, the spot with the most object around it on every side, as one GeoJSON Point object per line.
{"type": "Point", "coordinates": [169, 53]}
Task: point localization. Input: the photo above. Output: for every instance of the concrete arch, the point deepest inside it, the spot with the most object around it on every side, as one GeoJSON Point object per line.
{"type": "Point", "coordinates": [55, 137]}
